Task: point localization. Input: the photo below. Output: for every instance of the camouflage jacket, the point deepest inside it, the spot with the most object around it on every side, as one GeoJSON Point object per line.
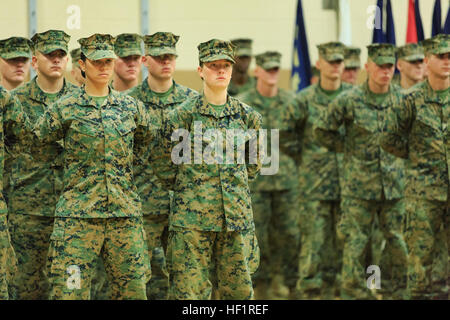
{"type": "Point", "coordinates": [317, 166]}
{"type": "Point", "coordinates": [369, 172]}
{"type": "Point", "coordinates": [12, 131]}
{"type": "Point", "coordinates": [35, 182]}
{"type": "Point", "coordinates": [98, 152]}
{"type": "Point", "coordinates": [155, 198]}
{"type": "Point", "coordinates": [234, 90]}
{"type": "Point", "coordinates": [420, 134]}
{"type": "Point", "coordinates": [272, 118]}
{"type": "Point", "coordinates": [209, 197]}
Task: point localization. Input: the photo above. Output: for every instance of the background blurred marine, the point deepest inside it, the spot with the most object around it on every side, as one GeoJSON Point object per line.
{"type": "Point", "coordinates": [274, 197]}
{"type": "Point", "coordinates": [15, 61]}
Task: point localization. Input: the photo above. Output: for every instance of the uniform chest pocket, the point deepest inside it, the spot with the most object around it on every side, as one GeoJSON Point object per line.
{"type": "Point", "coordinates": [84, 138]}
{"type": "Point", "coordinates": [427, 124]}
{"type": "Point", "coordinates": [125, 127]}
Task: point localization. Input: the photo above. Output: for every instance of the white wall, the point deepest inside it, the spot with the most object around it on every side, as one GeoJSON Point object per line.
{"type": "Point", "coordinates": [269, 22]}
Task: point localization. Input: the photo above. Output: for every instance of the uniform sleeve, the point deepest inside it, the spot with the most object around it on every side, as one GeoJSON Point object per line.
{"type": "Point", "coordinates": [327, 129]}
{"type": "Point", "coordinates": [49, 127]}
{"type": "Point", "coordinates": [294, 119]}
{"type": "Point", "coordinates": [253, 169]}
{"type": "Point", "coordinates": [398, 125]}
{"type": "Point", "coordinates": [162, 163]}
{"type": "Point", "coordinates": [148, 126]}
{"type": "Point", "coordinates": [16, 124]}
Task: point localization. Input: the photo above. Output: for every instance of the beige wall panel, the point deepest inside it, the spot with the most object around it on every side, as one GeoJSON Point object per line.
{"type": "Point", "coordinates": [13, 19]}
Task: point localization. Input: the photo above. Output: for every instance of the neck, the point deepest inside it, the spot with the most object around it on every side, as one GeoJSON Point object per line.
{"type": "Point", "coordinates": [238, 77]}
{"type": "Point", "coordinates": [160, 86]}
{"type": "Point", "coordinates": [120, 84]}
{"type": "Point", "coordinates": [215, 96]}
{"type": "Point", "coordinates": [438, 84]}
{"type": "Point", "coordinates": [376, 88]}
{"type": "Point", "coordinates": [266, 90]}
{"type": "Point", "coordinates": [9, 85]}
{"type": "Point", "coordinates": [407, 83]}
{"type": "Point", "coordinates": [49, 85]}
{"type": "Point", "coordinates": [329, 84]}
{"type": "Point", "coordinates": [96, 89]}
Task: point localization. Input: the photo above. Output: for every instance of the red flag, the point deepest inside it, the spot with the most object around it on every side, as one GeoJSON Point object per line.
{"type": "Point", "coordinates": [411, 31]}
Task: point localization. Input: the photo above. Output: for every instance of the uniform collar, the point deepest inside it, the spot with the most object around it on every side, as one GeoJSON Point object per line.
{"type": "Point", "coordinates": [430, 95]}
{"type": "Point", "coordinates": [38, 95]}
{"type": "Point", "coordinates": [86, 100]}
{"type": "Point", "coordinates": [148, 97]}
{"type": "Point", "coordinates": [231, 107]}
{"type": "Point", "coordinates": [369, 96]}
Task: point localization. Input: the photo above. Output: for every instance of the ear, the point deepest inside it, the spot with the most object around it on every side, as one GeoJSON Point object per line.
{"type": "Point", "coordinates": [82, 65]}
{"type": "Point", "coordinates": [200, 71]}
{"type": "Point", "coordinates": [318, 64]}
{"type": "Point", "coordinates": [399, 65]}
{"type": "Point", "coordinates": [366, 66]}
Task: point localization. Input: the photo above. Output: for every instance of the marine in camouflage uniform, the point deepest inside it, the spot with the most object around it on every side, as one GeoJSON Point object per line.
{"type": "Point", "coordinates": [126, 45]}
{"type": "Point", "coordinates": [35, 180]}
{"type": "Point", "coordinates": [373, 178]}
{"type": "Point", "coordinates": [128, 64]}
{"type": "Point", "coordinates": [212, 217]}
{"type": "Point", "coordinates": [241, 81]}
{"type": "Point", "coordinates": [15, 61]}
{"type": "Point", "coordinates": [155, 198]}
{"type": "Point", "coordinates": [319, 260]}
{"type": "Point", "coordinates": [410, 64]}
{"type": "Point", "coordinates": [274, 197]}
{"type": "Point", "coordinates": [420, 135]}
{"type": "Point", "coordinates": [99, 210]}
{"type": "Point", "coordinates": [13, 121]}
{"type": "Point", "coordinates": [352, 62]}
{"type": "Point", "coordinates": [76, 71]}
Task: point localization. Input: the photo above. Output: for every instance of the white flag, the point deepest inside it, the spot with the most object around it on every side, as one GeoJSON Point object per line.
{"type": "Point", "coordinates": [345, 26]}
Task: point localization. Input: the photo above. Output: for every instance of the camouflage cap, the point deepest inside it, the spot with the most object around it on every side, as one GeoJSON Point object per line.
{"type": "Point", "coordinates": [439, 44]}
{"type": "Point", "coordinates": [243, 47]}
{"type": "Point", "coordinates": [352, 57]}
{"type": "Point", "coordinates": [410, 52]}
{"type": "Point", "coordinates": [382, 53]}
{"type": "Point", "coordinates": [215, 49]}
{"type": "Point", "coordinates": [161, 43]}
{"type": "Point", "coordinates": [331, 51]}
{"type": "Point", "coordinates": [268, 60]}
{"type": "Point", "coordinates": [15, 47]}
{"type": "Point", "coordinates": [98, 46]}
{"type": "Point", "coordinates": [50, 41]}
{"type": "Point", "coordinates": [75, 54]}
{"type": "Point", "coordinates": [128, 44]}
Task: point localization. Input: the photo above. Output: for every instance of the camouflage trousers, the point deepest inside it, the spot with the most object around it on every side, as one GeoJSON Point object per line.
{"type": "Point", "coordinates": [276, 224]}
{"type": "Point", "coordinates": [356, 227]}
{"type": "Point", "coordinates": [320, 256]}
{"type": "Point", "coordinates": [76, 245]}
{"type": "Point", "coordinates": [428, 240]}
{"type": "Point", "coordinates": [189, 257]}
{"type": "Point", "coordinates": [155, 227]}
{"type": "Point", "coordinates": [157, 232]}
{"type": "Point", "coordinates": [7, 259]}
{"type": "Point", "coordinates": [30, 237]}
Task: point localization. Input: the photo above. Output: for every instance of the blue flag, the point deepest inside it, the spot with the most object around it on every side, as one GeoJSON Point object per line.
{"type": "Point", "coordinates": [378, 34]}
{"type": "Point", "coordinates": [390, 28]}
{"type": "Point", "coordinates": [436, 25]}
{"type": "Point", "coordinates": [447, 23]}
{"type": "Point", "coordinates": [419, 26]}
{"type": "Point", "coordinates": [384, 33]}
{"type": "Point", "coordinates": [301, 66]}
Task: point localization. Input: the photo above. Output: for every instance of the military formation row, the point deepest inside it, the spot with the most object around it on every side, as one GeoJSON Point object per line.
{"type": "Point", "coordinates": [91, 194]}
